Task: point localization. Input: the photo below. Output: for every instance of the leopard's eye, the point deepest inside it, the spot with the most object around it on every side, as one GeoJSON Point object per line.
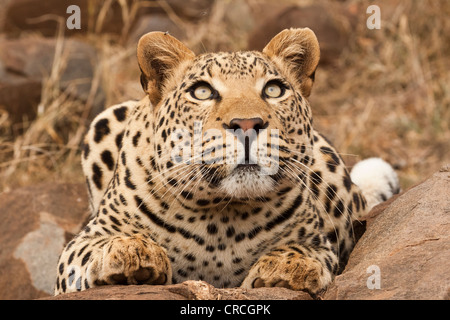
{"type": "Point", "coordinates": [202, 92]}
{"type": "Point", "coordinates": [273, 90]}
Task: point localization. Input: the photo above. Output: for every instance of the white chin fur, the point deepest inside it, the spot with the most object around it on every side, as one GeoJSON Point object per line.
{"type": "Point", "coordinates": [377, 180]}
{"type": "Point", "coordinates": [246, 184]}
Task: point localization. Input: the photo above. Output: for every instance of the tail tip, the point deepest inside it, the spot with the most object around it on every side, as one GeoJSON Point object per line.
{"type": "Point", "coordinates": [377, 180]}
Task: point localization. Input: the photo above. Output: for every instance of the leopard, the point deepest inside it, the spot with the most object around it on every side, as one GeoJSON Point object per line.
{"type": "Point", "coordinates": [218, 175]}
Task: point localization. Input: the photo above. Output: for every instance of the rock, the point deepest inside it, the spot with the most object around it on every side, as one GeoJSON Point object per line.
{"type": "Point", "coordinates": [20, 107]}
{"type": "Point", "coordinates": [407, 246]}
{"type": "Point", "coordinates": [170, 16]}
{"type": "Point", "coordinates": [154, 22]}
{"type": "Point", "coordinates": [188, 290]}
{"type": "Point", "coordinates": [29, 15]}
{"type": "Point", "coordinates": [238, 15]}
{"type": "Point", "coordinates": [24, 64]}
{"type": "Point", "coordinates": [193, 10]}
{"type": "Point", "coordinates": [36, 223]}
{"type": "Point", "coordinates": [17, 16]}
{"type": "Point", "coordinates": [331, 32]}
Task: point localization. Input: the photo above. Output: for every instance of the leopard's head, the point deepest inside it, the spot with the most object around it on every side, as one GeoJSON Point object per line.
{"type": "Point", "coordinates": [230, 127]}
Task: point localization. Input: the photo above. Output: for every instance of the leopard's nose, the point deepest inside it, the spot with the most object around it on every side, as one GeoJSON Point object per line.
{"type": "Point", "coordinates": [247, 124]}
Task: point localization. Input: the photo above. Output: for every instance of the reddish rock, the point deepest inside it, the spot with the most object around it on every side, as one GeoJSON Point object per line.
{"type": "Point", "coordinates": [20, 107]}
{"type": "Point", "coordinates": [326, 21]}
{"type": "Point", "coordinates": [189, 290]}
{"type": "Point", "coordinates": [407, 246]}
{"type": "Point", "coordinates": [154, 22]}
{"type": "Point", "coordinates": [17, 16]}
{"type": "Point", "coordinates": [22, 15]}
{"type": "Point", "coordinates": [26, 62]}
{"type": "Point", "coordinates": [192, 10]}
{"type": "Point", "coordinates": [36, 223]}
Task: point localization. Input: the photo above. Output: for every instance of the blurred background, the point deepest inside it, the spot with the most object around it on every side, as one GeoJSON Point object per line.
{"type": "Point", "coordinates": [381, 92]}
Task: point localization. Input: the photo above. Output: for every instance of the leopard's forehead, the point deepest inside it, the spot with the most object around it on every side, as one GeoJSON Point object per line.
{"type": "Point", "coordinates": [240, 64]}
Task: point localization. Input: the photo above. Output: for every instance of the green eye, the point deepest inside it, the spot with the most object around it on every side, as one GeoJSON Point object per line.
{"type": "Point", "coordinates": [202, 92]}
{"type": "Point", "coordinates": [273, 90]}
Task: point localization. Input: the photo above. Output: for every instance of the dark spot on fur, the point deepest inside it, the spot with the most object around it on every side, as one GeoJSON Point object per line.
{"type": "Point", "coordinates": [120, 113]}
{"type": "Point", "coordinates": [211, 228]}
{"type": "Point", "coordinates": [347, 181]}
{"type": "Point", "coordinates": [136, 138]}
{"type": "Point", "coordinates": [101, 129]}
{"type": "Point", "coordinates": [97, 177]}
{"type": "Point", "coordinates": [108, 159]}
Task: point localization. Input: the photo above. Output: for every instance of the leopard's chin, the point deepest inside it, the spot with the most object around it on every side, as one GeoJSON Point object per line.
{"type": "Point", "coordinates": [247, 182]}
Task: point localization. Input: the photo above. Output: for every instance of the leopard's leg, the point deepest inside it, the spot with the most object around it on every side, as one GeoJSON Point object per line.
{"type": "Point", "coordinates": [96, 257]}
{"type": "Point", "coordinates": [295, 266]}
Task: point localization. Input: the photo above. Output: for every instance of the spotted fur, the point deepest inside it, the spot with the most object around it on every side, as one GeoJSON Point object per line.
{"type": "Point", "coordinates": [157, 220]}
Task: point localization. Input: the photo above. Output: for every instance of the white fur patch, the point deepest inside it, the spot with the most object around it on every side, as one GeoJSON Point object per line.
{"type": "Point", "coordinates": [247, 184]}
{"type": "Point", "coordinates": [377, 180]}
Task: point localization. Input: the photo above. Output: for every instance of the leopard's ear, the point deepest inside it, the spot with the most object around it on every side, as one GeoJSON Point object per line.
{"type": "Point", "coordinates": [296, 52]}
{"type": "Point", "coordinates": [159, 54]}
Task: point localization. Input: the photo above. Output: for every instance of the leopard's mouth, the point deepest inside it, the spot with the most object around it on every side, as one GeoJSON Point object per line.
{"type": "Point", "coordinates": [241, 181]}
{"type": "Point", "coordinates": [246, 181]}
{"type": "Point", "coordinates": [247, 167]}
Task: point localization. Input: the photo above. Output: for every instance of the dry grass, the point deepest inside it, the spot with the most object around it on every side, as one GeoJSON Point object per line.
{"type": "Point", "coordinates": [388, 96]}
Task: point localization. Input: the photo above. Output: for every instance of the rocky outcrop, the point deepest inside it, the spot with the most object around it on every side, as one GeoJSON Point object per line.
{"type": "Point", "coordinates": [189, 290]}
{"type": "Point", "coordinates": [332, 32]}
{"type": "Point", "coordinates": [36, 223]}
{"type": "Point", "coordinates": [26, 63]}
{"type": "Point", "coordinates": [99, 17]}
{"type": "Point", "coordinates": [405, 251]}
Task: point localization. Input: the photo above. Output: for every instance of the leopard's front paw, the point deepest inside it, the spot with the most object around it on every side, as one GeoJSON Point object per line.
{"type": "Point", "coordinates": [289, 269]}
{"type": "Point", "coordinates": [131, 260]}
